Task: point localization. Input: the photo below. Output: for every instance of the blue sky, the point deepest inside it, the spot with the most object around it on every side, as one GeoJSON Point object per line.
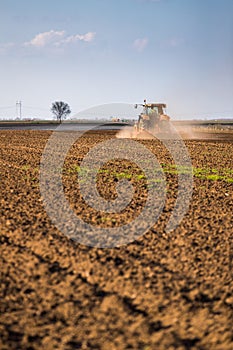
{"type": "Point", "coordinates": [93, 52]}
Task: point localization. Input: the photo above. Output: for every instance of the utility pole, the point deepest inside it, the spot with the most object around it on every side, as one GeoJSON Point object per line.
{"type": "Point", "coordinates": [19, 109]}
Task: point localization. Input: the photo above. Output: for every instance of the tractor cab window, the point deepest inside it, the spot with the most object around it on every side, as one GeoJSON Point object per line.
{"type": "Point", "coordinates": [150, 111]}
{"type": "Point", "coordinates": [153, 113]}
{"type": "Point", "coordinates": [153, 110]}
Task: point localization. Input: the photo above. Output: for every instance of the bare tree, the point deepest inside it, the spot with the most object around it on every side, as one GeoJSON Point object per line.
{"type": "Point", "coordinates": [60, 109]}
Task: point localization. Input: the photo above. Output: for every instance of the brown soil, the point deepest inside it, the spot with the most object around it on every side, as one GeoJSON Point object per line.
{"type": "Point", "coordinates": [163, 291]}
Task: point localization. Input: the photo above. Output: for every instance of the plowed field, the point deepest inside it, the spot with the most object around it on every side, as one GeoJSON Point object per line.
{"type": "Point", "coordinates": [162, 291]}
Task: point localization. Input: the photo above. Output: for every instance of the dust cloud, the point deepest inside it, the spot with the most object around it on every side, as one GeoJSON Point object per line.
{"type": "Point", "coordinates": [131, 133]}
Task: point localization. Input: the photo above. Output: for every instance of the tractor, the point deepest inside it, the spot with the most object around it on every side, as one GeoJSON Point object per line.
{"type": "Point", "coordinates": [152, 119]}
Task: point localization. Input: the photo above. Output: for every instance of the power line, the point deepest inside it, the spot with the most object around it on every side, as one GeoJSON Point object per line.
{"type": "Point", "coordinates": [7, 107]}
{"type": "Point", "coordinates": [37, 108]}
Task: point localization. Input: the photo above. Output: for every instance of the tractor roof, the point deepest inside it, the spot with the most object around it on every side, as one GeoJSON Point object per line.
{"type": "Point", "coordinates": [152, 105]}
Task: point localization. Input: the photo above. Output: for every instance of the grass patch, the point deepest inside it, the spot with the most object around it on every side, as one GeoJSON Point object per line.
{"type": "Point", "coordinates": [210, 174]}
